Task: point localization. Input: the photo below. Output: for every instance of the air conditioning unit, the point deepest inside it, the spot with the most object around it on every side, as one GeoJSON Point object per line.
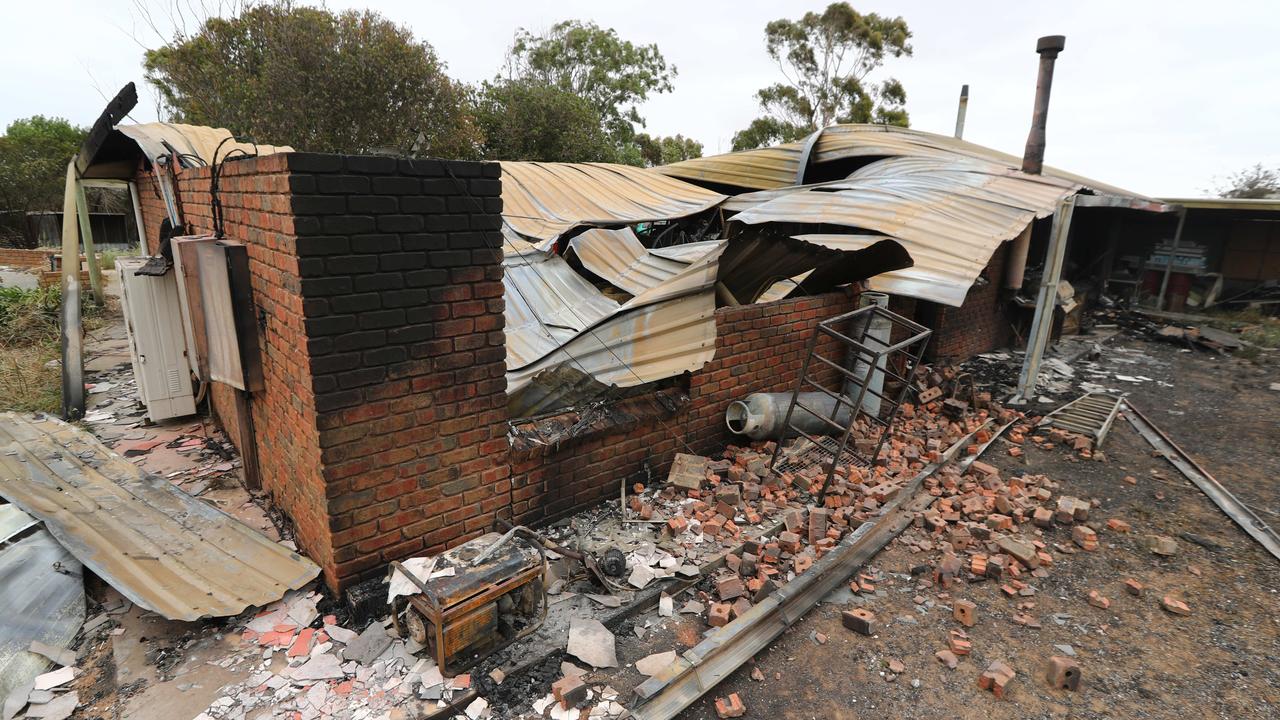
{"type": "Point", "coordinates": [153, 320]}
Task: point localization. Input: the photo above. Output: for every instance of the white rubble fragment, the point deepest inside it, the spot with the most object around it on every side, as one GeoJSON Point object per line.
{"type": "Point", "coordinates": [324, 667]}
{"type": "Point", "coordinates": [666, 605]}
{"type": "Point", "coordinates": [641, 575]}
{"type": "Point", "coordinates": [60, 708]}
{"type": "Point", "coordinates": [341, 634]}
{"type": "Point", "coordinates": [478, 708]}
{"type": "Point", "coordinates": [60, 677]}
{"type": "Point", "coordinates": [568, 669]}
{"type": "Point", "coordinates": [651, 665]}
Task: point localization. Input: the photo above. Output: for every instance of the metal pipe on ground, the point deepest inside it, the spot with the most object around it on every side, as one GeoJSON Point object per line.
{"type": "Point", "coordinates": [1048, 48]}
{"type": "Point", "coordinates": [763, 416]}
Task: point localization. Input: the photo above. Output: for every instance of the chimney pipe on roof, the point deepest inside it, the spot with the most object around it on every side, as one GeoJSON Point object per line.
{"type": "Point", "coordinates": [1033, 157]}
{"type": "Point", "coordinates": [961, 110]}
{"type": "Point", "coordinates": [1048, 48]}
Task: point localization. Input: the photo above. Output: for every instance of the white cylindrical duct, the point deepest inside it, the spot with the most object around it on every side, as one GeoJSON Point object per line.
{"type": "Point", "coordinates": [763, 416]}
{"type": "Point", "coordinates": [877, 338]}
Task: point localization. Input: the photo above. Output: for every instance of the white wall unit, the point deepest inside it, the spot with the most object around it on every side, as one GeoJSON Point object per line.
{"type": "Point", "coordinates": [153, 320]}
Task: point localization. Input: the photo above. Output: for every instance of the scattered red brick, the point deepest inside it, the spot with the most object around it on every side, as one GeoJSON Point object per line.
{"type": "Point", "coordinates": [1175, 606]}
{"type": "Point", "coordinates": [730, 707]}
{"type": "Point", "coordinates": [996, 678]}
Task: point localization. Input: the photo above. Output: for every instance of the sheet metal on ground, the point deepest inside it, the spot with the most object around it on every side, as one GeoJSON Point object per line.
{"type": "Point", "coordinates": [161, 548]}
{"type": "Point", "coordinates": [542, 201]}
{"type": "Point", "coordinates": [618, 257]}
{"type": "Point", "coordinates": [42, 596]}
{"type": "Point", "coordinates": [950, 215]}
{"type": "Point", "coordinates": [777, 166]}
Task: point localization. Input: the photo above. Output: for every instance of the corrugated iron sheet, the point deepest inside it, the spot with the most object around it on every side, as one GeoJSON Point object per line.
{"type": "Point", "coordinates": [547, 305]}
{"type": "Point", "coordinates": [776, 167]}
{"type": "Point", "coordinates": [194, 140]}
{"type": "Point", "coordinates": [950, 215]}
{"type": "Point", "coordinates": [542, 201]}
{"type": "Point", "coordinates": [618, 257]}
{"type": "Point", "coordinates": [661, 332]}
{"type": "Point", "coordinates": [42, 597]}
{"type": "Point", "coordinates": [686, 252]}
{"type": "Point", "coordinates": [161, 548]}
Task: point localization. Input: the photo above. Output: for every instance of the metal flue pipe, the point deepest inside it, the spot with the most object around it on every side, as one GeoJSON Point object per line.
{"type": "Point", "coordinates": [961, 110]}
{"type": "Point", "coordinates": [1048, 48]}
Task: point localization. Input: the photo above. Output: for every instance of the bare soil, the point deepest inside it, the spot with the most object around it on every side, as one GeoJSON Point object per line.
{"type": "Point", "coordinates": [1137, 660]}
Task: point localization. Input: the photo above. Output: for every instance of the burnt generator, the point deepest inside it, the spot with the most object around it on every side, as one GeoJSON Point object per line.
{"type": "Point", "coordinates": [494, 597]}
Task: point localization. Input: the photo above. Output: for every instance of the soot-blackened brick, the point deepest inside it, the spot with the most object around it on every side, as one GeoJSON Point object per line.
{"type": "Point", "coordinates": [372, 204]}
{"type": "Point", "coordinates": [370, 164]}
{"type": "Point", "coordinates": [396, 186]}
{"type": "Point", "coordinates": [376, 244]}
{"type": "Point", "coordinates": [379, 281]}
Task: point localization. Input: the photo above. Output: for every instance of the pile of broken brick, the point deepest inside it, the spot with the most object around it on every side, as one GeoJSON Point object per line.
{"type": "Point", "coordinates": [984, 527]}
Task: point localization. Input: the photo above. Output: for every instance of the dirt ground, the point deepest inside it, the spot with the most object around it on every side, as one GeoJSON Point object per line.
{"type": "Point", "coordinates": [1137, 660]}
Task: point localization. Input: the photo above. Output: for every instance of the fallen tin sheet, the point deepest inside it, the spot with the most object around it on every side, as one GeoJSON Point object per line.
{"type": "Point", "coordinates": [161, 548]}
{"type": "Point", "coordinates": [42, 595]}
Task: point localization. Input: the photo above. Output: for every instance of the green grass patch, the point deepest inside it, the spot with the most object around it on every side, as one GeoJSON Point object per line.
{"type": "Point", "coordinates": [30, 377]}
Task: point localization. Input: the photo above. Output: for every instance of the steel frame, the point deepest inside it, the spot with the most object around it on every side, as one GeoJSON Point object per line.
{"type": "Point", "coordinates": [879, 356]}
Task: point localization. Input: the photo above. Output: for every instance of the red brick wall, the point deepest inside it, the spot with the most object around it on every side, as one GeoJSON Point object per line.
{"type": "Point", "coordinates": [257, 210]}
{"type": "Point", "coordinates": [983, 323]}
{"type": "Point", "coordinates": [759, 348]}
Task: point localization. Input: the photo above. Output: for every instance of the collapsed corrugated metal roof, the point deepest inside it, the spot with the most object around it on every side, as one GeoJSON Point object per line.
{"type": "Point", "coordinates": [949, 214]}
{"type": "Point", "coordinates": [779, 166]}
{"type": "Point", "coordinates": [161, 548]}
{"type": "Point", "coordinates": [42, 594]}
{"type": "Point", "coordinates": [619, 258]}
{"type": "Point", "coordinates": [563, 321]}
{"type": "Point", "coordinates": [542, 201]}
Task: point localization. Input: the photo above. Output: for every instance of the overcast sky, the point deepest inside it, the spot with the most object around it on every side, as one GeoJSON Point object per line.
{"type": "Point", "coordinates": [1163, 98]}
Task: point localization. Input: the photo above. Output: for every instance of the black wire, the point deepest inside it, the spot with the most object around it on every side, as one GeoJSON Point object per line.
{"type": "Point", "coordinates": [215, 175]}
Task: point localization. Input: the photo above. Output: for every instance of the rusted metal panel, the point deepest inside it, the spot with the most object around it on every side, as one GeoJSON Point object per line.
{"type": "Point", "coordinates": [950, 215]}
{"type": "Point", "coordinates": [542, 201]}
{"type": "Point", "coordinates": [161, 548]}
{"type": "Point", "coordinates": [776, 167]}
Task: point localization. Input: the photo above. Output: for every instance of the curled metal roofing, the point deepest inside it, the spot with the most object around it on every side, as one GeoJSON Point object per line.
{"type": "Point", "coordinates": [778, 166]}
{"type": "Point", "coordinates": [949, 214]}
{"type": "Point", "coordinates": [619, 258]}
{"type": "Point", "coordinates": [542, 201]}
{"type": "Point", "coordinates": [199, 141]}
{"type": "Point", "coordinates": [161, 548]}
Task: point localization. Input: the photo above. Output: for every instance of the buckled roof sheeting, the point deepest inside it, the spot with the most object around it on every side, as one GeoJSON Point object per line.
{"type": "Point", "coordinates": [949, 214]}
{"type": "Point", "coordinates": [194, 140]}
{"type": "Point", "coordinates": [542, 201]}
{"type": "Point", "coordinates": [619, 258]}
{"type": "Point", "coordinates": [776, 167]}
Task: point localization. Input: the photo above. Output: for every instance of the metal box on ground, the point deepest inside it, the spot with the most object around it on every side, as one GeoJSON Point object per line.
{"type": "Point", "coordinates": [494, 598]}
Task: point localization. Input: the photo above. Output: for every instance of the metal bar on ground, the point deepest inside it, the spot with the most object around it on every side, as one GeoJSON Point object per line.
{"type": "Point", "coordinates": [1228, 503]}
